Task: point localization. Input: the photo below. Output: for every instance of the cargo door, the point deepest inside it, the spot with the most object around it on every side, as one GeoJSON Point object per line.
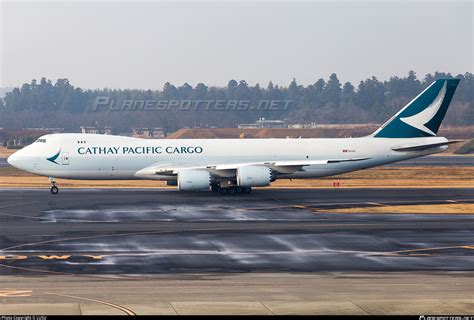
{"type": "Point", "coordinates": [65, 158]}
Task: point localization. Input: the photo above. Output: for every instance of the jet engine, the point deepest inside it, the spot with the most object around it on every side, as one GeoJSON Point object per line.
{"type": "Point", "coordinates": [193, 180]}
{"type": "Point", "coordinates": [254, 176]}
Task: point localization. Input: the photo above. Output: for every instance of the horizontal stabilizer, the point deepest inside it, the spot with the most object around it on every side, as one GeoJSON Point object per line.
{"type": "Point", "coordinates": [424, 146]}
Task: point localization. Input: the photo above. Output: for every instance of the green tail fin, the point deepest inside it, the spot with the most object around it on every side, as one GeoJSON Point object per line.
{"type": "Point", "coordinates": [422, 116]}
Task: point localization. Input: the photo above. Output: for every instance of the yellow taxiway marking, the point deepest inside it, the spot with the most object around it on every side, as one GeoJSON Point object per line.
{"type": "Point", "coordinates": [113, 277]}
{"type": "Point", "coordinates": [113, 305]}
{"type": "Point", "coordinates": [12, 293]}
{"type": "Point", "coordinates": [299, 206]}
{"type": "Point", "coordinates": [425, 249]}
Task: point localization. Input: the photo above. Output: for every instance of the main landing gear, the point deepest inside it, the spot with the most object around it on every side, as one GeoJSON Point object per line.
{"type": "Point", "coordinates": [54, 189]}
{"type": "Point", "coordinates": [230, 190]}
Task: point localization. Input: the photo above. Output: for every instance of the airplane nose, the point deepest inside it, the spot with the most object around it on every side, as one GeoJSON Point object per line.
{"type": "Point", "coordinates": [21, 160]}
{"type": "Point", "coordinates": [11, 159]}
{"type": "Point", "coordinates": [24, 159]}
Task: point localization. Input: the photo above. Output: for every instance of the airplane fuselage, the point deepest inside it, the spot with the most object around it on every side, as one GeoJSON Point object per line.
{"type": "Point", "coordinates": [105, 157]}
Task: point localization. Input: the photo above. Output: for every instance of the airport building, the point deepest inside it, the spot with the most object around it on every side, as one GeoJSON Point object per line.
{"type": "Point", "coordinates": [148, 133]}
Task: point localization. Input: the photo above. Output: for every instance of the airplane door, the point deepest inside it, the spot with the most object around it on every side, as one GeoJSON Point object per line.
{"type": "Point", "coordinates": [36, 164]}
{"type": "Point", "coordinates": [66, 158]}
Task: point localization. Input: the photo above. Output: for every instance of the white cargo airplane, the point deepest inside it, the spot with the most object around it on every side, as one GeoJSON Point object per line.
{"type": "Point", "coordinates": [236, 165]}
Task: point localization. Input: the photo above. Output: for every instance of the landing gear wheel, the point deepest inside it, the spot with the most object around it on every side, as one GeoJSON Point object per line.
{"type": "Point", "coordinates": [223, 190]}
{"type": "Point", "coordinates": [231, 190]}
{"type": "Point", "coordinates": [54, 189]}
{"type": "Point", "coordinates": [246, 190]}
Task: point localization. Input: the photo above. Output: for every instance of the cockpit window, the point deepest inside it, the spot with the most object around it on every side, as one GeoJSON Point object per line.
{"type": "Point", "coordinates": [41, 140]}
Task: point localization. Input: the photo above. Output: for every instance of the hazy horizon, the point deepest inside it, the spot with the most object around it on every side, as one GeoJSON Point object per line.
{"type": "Point", "coordinates": [145, 44]}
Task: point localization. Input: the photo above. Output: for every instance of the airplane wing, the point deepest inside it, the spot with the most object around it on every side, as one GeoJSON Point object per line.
{"type": "Point", "coordinates": [229, 169]}
{"type": "Point", "coordinates": [423, 146]}
{"type": "Point", "coordinates": [166, 169]}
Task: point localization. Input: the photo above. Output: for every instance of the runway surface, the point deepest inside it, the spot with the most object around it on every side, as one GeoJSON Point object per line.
{"type": "Point", "coordinates": [149, 232]}
{"type": "Point", "coordinates": [437, 161]}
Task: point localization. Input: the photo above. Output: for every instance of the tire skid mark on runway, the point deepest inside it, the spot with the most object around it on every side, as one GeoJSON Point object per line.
{"type": "Point", "coordinates": [25, 217]}
{"type": "Point", "coordinates": [22, 204]}
{"type": "Point", "coordinates": [179, 252]}
{"type": "Point", "coordinates": [113, 305]}
{"type": "Point", "coordinates": [288, 206]}
{"type": "Point", "coordinates": [35, 218]}
{"type": "Point", "coordinates": [45, 219]}
{"type": "Point", "coordinates": [377, 204]}
{"type": "Point", "coordinates": [82, 238]}
{"type": "Point", "coordinates": [233, 229]}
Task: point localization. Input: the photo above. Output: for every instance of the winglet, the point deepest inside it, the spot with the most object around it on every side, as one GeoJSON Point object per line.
{"type": "Point", "coordinates": [422, 116]}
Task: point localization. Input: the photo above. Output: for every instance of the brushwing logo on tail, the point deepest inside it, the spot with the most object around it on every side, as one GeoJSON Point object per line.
{"type": "Point", "coordinates": [53, 158]}
{"type": "Point", "coordinates": [420, 119]}
{"type": "Point", "coordinates": [422, 116]}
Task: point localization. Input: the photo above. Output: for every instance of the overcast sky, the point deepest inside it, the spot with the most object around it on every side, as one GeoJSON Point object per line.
{"type": "Point", "coordinates": [144, 44]}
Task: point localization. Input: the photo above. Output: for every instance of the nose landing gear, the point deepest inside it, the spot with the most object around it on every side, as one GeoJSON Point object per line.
{"type": "Point", "coordinates": [54, 189]}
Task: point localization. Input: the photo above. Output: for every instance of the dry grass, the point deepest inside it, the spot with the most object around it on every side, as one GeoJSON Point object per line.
{"type": "Point", "coordinates": [393, 177]}
{"type": "Point", "coordinates": [5, 153]}
{"type": "Point", "coordinates": [389, 177]}
{"type": "Point", "coordinates": [42, 182]}
{"type": "Point", "coordinates": [454, 208]}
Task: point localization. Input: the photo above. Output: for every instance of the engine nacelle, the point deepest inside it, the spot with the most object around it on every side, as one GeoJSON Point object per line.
{"type": "Point", "coordinates": [193, 180]}
{"type": "Point", "coordinates": [254, 176]}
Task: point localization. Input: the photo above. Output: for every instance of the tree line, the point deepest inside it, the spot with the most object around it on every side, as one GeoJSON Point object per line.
{"type": "Point", "coordinates": [60, 104]}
